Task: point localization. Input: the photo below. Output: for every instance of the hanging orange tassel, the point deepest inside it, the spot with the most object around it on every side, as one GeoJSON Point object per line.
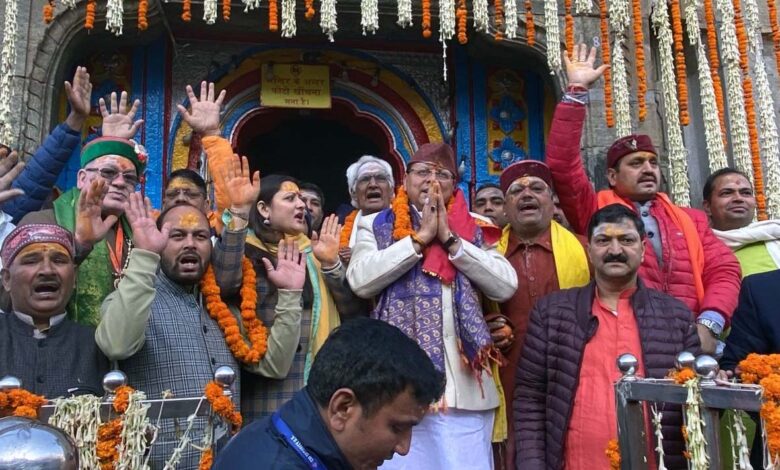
{"type": "Point", "coordinates": [143, 10]}
{"type": "Point", "coordinates": [309, 15]}
{"type": "Point", "coordinates": [679, 62]}
{"type": "Point", "coordinates": [750, 111]}
{"type": "Point", "coordinates": [89, 20]}
{"type": "Point", "coordinates": [426, 18]}
{"type": "Point", "coordinates": [529, 23]}
{"type": "Point", "coordinates": [186, 11]}
{"type": "Point", "coordinates": [273, 16]}
{"type": "Point", "coordinates": [605, 58]}
{"type": "Point", "coordinates": [772, 7]}
{"type": "Point", "coordinates": [498, 8]}
{"type": "Point", "coordinates": [712, 49]}
{"type": "Point", "coordinates": [225, 10]}
{"type": "Point", "coordinates": [462, 15]}
{"type": "Point", "coordinates": [48, 12]}
{"type": "Point", "coordinates": [641, 74]}
{"type": "Point", "coordinates": [569, 22]}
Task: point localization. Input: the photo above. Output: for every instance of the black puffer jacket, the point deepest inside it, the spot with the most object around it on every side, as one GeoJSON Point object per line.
{"type": "Point", "coordinates": [548, 373]}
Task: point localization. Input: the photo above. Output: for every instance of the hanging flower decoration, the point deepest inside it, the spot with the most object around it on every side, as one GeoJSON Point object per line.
{"type": "Point", "coordinates": [328, 20]}
{"type": "Point", "coordinates": [20, 402]}
{"type": "Point", "coordinates": [69, 4]}
{"type": "Point", "coordinates": [462, 15]}
{"type": "Point", "coordinates": [225, 10]}
{"type": "Point", "coordinates": [553, 35]}
{"type": "Point", "coordinates": [569, 25]}
{"type": "Point", "coordinates": [186, 11]}
{"type": "Point", "coordinates": [771, 6]}
{"type": "Point", "coordinates": [273, 16]}
{"type": "Point", "coordinates": [529, 23]}
{"type": "Point", "coordinates": [369, 16]}
{"type": "Point", "coordinates": [682, 376]}
{"type": "Point", "coordinates": [223, 406]}
{"type": "Point", "coordinates": [582, 7]}
{"type": "Point", "coordinates": [639, 47]}
{"type": "Point", "coordinates": [712, 49]}
{"type": "Point", "coordinates": [89, 19]}
{"type": "Point", "coordinates": [696, 445]}
{"type": "Point", "coordinates": [498, 15]}
{"type": "Point", "coordinates": [404, 13]}
{"type": "Point", "coordinates": [250, 5]}
{"type": "Point", "coordinates": [619, 19]}
{"type": "Point", "coordinates": [679, 62]}
{"type": "Point", "coordinates": [426, 18]}
{"type": "Point", "coordinates": [678, 155]}
{"type": "Point", "coordinates": [613, 454]}
{"type": "Point", "coordinates": [765, 371]}
{"type": "Point", "coordinates": [659, 435]}
{"type": "Point", "coordinates": [481, 16]}
{"type": "Point", "coordinates": [210, 11]}
{"type": "Point", "coordinates": [143, 10]}
{"type": "Point", "coordinates": [446, 28]}
{"type": "Point", "coordinates": [48, 12]}
{"type": "Point", "coordinates": [7, 65]}
{"type": "Point", "coordinates": [310, 11]}
{"type": "Point", "coordinates": [510, 19]}
{"type": "Point", "coordinates": [605, 58]}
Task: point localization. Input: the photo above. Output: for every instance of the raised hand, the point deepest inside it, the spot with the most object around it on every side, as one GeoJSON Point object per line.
{"type": "Point", "coordinates": [79, 93]}
{"type": "Point", "coordinates": [10, 167]}
{"type": "Point", "coordinates": [580, 69]}
{"type": "Point", "coordinates": [91, 227]}
{"type": "Point", "coordinates": [118, 121]}
{"type": "Point", "coordinates": [290, 270]}
{"type": "Point", "coordinates": [146, 235]}
{"type": "Point", "coordinates": [240, 189]}
{"type": "Point", "coordinates": [325, 245]}
{"type": "Point", "coordinates": [204, 117]}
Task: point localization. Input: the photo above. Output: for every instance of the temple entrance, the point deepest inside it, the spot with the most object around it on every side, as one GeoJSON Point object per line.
{"type": "Point", "coordinates": [313, 146]}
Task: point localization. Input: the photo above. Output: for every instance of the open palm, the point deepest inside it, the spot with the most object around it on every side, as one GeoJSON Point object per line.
{"type": "Point", "coordinates": [146, 235]}
{"type": "Point", "coordinates": [580, 70]}
{"type": "Point", "coordinates": [325, 245]}
{"type": "Point", "coordinates": [290, 270]}
{"type": "Point", "coordinates": [118, 121]}
{"type": "Point", "coordinates": [204, 114]}
{"type": "Point", "coordinates": [241, 190]}
{"type": "Point", "coordinates": [10, 167]}
{"type": "Point", "coordinates": [91, 227]}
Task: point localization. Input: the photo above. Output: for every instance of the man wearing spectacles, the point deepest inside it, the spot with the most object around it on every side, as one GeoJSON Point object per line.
{"type": "Point", "coordinates": [428, 261]}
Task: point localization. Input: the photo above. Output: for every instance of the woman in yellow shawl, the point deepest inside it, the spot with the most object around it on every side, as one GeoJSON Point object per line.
{"type": "Point", "coordinates": [280, 213]}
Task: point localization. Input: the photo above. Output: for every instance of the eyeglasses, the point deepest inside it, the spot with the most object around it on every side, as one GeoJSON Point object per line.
{"type": "Point", "coordinates": [110, 174]}
{"type": "Point", "coordinates": [380, 178]}
{"type": "Point", "coordinates": [187, 193]}
{"type": "Point", "coordinates": [441, 175]}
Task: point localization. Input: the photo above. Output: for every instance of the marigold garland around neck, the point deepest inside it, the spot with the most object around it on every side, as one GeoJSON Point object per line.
{"type": "Point", "coordinates": [402, 226]}
{"type": "Point", "coordinates": [346, 230]}
{"type": "Point", "coordinates": [219, 311]}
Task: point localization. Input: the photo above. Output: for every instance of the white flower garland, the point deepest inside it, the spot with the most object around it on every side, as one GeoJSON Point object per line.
{"type": "Point", "coordinates": [369, 16]}
{"type": "Point", "coordinates": [7, 63]}
{"type": "Point", "coordinates": [767, 126]}
{"type": "Point", "coordinates": [740, 452]}
{"type": "Point", "coordinates": [697, 446]}
{"type": "Point", "coordinates": [114, 11]}
{"type": "Point", "coordinates": [250, 5]}
{"type": "Point", "coordinates": [446, 20]}
{"type": "Point", "coordinates": [712, 130]}
{"type": "Point", "coordinates": [619, 15]}
{"type": "Point", "coordinates": [481, 16]}
{"type": "Point", "coordinates": [659, 435]}
{"type": "Point", "coordinates": [729, 57]}
{"type": "Point", "coordinates": [289, 27]}
{"type": "Point", "coordinates": [552, 26]}
{"type": "Point", "coordinates": [620, 87]}
{"type": "Point", "coordinates": [79, 417]}
{"type": "Point", "coordinates": [582, 7]}
{"type": "Point", "coordinates": [328, 18]}
{"type": "Point", "coordinates": [69, 4]}
{"type": "Point", "coordinates": [678, 155]}
{"type": "Point", "coordinates": [404, 13]}
{"type": "Point", "coordinates": [134, 445]}
{"type": "Point", "coordinates": [510, 18]}
{"type": "Point", "coordinates": [210, 11]}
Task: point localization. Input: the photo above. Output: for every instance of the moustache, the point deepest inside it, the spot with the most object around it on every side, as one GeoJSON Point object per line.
{"type": "Point", "coordinates": [618, 258]}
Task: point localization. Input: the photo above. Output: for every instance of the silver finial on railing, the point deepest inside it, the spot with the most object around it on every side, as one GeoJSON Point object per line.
{"type": "Point", "coordinates": [113, 380]}
{"type": "Point", "coordinates": [707, 369]}
{"type": "Point", "coordinates": [627, 364]}
{"type": "Point", "coordinates": [10, 382]}
{"type": "Point", "coordinates": [225, 376]}
{"type": "Point", "coordinates": [684, 359]}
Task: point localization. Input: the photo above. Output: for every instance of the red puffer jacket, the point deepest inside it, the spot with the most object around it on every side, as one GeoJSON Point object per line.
{"type": "Point", "coordinates": [721, 275]}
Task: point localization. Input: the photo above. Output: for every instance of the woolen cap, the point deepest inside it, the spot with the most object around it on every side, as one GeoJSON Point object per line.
{"type": "Point", "coordinates": [629, 144]}
{"type": "Point", "coordinates": [438, 154]}
{"type": "Point", "coordinates": [525, 168]}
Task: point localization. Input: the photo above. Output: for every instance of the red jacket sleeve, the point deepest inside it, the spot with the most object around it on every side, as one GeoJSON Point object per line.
{"type": "Point", "coordinates": [578, 198]}
{"type": "Point", "coordinates": [722, 275]}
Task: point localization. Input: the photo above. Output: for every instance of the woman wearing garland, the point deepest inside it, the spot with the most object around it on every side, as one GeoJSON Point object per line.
{"type": "Point", "coordinates": [278, 215]}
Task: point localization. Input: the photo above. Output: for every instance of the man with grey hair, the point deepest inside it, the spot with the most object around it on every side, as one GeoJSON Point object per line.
{"type": "Point", "coordinates": [371, 187]}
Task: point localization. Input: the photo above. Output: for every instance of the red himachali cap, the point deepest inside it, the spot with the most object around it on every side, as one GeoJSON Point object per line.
{"type": "Point", "coordinates": [629, 144]}
{"type": "Point", "coordinates": [438, 154]}
{"type": "Point", "coordinates": [525, 168]}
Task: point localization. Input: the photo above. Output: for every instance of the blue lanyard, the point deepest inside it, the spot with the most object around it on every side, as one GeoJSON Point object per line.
{"type": "Point", "coordinates": [295, 443]}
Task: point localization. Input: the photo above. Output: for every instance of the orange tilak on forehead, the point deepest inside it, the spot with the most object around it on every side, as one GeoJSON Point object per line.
{"type": "Point", "coordinates": [526, 181]}
{"type": "Point", "coordinates": [43, 247]}
{"type": "Point", "coordinates": [614, 230]}
{"type": "Point", "coordinates": [181, 183]}
{"type": "Point", "coordinates": [120, 162]}
{"type": "Point", "coordinates": [290, 187]}
{"type": "Point", "coordinates": [189, 220]}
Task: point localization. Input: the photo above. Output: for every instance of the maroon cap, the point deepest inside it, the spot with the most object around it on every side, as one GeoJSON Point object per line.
{"type": "Point", "coordinates": [629, 144]}
{"type": "Point", "coordinates": [525, 168]}
{"type": "Point", "coordinates": [437, 154]}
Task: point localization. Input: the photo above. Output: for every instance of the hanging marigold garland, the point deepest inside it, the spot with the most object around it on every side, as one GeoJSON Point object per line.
{"type": "Point", "coordinates": [273, 16]}
{"type": "Point", "coordinates": [143, 10]}
{"type": "Point", "coordinates": [498, 13]}
{"type": "Point", "coordinates": [682, 376]}
{"type": "Point", "coordinates": [109, 439]}
{"type": "Point", "coordinates": [613, 454]}
{"type": "Point", "coordinates": [310, 11]}
{"type": "Point", "coordinates": [89, 19]}
{"type": "Point", "coordinates": [605, 58]}
{"type": "Point", "coordinates": [19, 402]}
{"type": "Point", "coordinates": [569, 25]}
{"type": "Point", "coordinates": [206, 459]}
{"type": "Point", "coordinates": [186, 11]}
{"type": "Point", "coordinates": [462, 14]}
{"type": "Point", "coordinates": [712, 49]}
{"type": "Point", "coordinates": [765, 371]}
{"type": "Point", "coordinates": [639, 47]}
{"type": "Point", "coordinates": [426, 18]}
{"type": "Point", "coordinates": [772, 8]}
{"type": "Point", "coordinates": [223, 406]}
{"type": "Point", "coordinates": [225, 10]}
{"type": "Point", "coordinates": [255, 330]}
{"type": "Point", "coordinates": [349, 224]}
{"type": "Point", "coordinates": [530, 29]}
{"type": "Point", "coordinates": [679, 61]}
{"type": "Point", "coordinates": [48, 12]}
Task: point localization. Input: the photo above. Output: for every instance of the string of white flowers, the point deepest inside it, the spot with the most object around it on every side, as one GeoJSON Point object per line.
{"type": "Point", "coordinates": [404, 13]}
{"type": "Point", "coordinates": [446, 29]}
{"type": "Point", "coordinates": [620, 87]}
{"type": "Point", "coordinates": [114, 11]}
{"type": "Point", "coordinates": [619, 15]}
{"type": "Point", "coordinates": [210, 11]}
{"type": "Point", "coordinates": [678, 155]}
{"type": "Point", "coordinates": [767, 126]}
{"type": "Point", "coordinates": [712, 130]}
{"type": "Point", "coordinates": [740, 452]}
{"type": "Point", "coordinates": [134, 445]}
{"type": "Point", "coordinates": [659, 435]}
{"type": "Point", "coordinates": [7, 63]}
{"type": "Point", "coordinates": [289, 27]}
{"type": "Point", "coordinates": [552, 27]}
{"type": "Point", "coordinates": [729, 58]}
{"type": "Point", "coordinates": [582, 7]}
{"type": "Point", "coordinates": [481, 17]}
{"type": "Point", "coordinates": [184, 441]}
{"type": "Point", "coordinates": [510, 19]}
{"type": "Point", "coordinates": [697, 445]}
{"type": "Point", "coordinates": [328, 21]}
{"type": "Point", "coordinates": [69, 4]}
{"type": "Point", "coordinates": [79, 417]}
{"type": "Point", "coordinates": [369, 16]}
{"type": "Point", "coordinates": [250, 5]}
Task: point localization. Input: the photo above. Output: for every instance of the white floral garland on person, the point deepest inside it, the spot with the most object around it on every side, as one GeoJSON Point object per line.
{"type": "Point", "coordinates": [678, 155]}
{"type": "Point", "coordinates": [79, 417]}
{"type": "Point", "coordinates": [735, 100]}
{"type": "Point", "coordinates": [328, 18]}
{"type": "Point", "coordinates": [250, 5]}
{"type": "Point", "coordinates": [619, 20]}
{"type": "Point", "coordinates": [481, 16]}
{"type": "Point", "coordinates": [712, 130]}
{"type": "Point", "coordinates": [510, 18]}
{"type": "Point", "coordinates": [553, 30]}
{"type": "Point", "coordinates": [767, 126]}
{"type": "Point", "coordinates": [697, 445]}
{"type": "Point", "coordinates": [369, 16]}
{"type": "Point", "coordinates": [289, 27]}
{"type": "Point", "coordinates": [210, 11]}
{"type": "Point", "coordinates": [7, 63]}
{"type": "Point", "coordinates": [404, 13]}
{"type": "Point", "coordinates": [659, 435]}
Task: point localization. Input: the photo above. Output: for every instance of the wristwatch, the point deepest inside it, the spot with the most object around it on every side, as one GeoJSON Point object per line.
{"type": "Point", "coordinates": [451, 240]}
{"type": "Point", "coordinates": [714, 328]}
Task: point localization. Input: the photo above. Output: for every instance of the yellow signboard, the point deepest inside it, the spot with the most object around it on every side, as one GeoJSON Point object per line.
{"type": "Point", "coordinates": [295, 86]}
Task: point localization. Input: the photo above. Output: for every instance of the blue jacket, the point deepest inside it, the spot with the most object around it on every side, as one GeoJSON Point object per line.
{"type": "Point", "coordinates": [41, 172]}
{"type": "Point", "coordinates": [260, 445]}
